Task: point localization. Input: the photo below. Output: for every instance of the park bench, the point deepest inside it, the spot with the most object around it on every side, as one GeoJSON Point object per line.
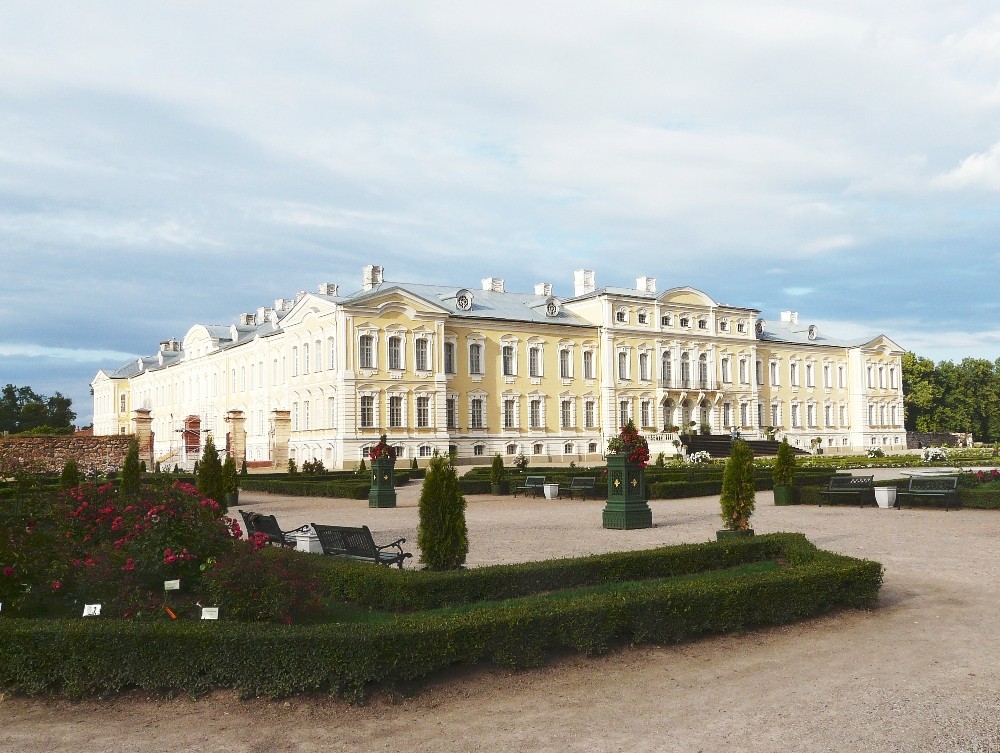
{"type": "Point", "coordinates": [842, 486]}
{"type": "Point", "coordinates": [358, 544]}
{"type": "Point", "coordinates": [268, 525]}
{"type": "Point", "coordinates": [934, 488]}
{"type": "Point", "coordinates": [533, 484]}
{"type": "Point", "coordinates": [582, 485]}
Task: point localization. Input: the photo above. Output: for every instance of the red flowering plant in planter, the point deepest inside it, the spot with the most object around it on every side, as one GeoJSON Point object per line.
{"type": "Point", "coordinates": [630, 443]}
{"type": "Point", "coordinates": [382, 450]}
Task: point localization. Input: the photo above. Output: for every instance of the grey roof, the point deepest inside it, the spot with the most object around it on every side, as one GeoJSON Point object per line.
{"type": "Point", "coordinates": [134, 367]}
{"type": "Point", "coordinates": [798, 334]}
{"type": "Point", "coordinates": [486, 304]}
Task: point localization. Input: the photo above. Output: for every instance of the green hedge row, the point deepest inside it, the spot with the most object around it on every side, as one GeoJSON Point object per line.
{"type": "Point", "coordinates": [343, 489]}
{"type": "Point", "coordinates": [97, 657]}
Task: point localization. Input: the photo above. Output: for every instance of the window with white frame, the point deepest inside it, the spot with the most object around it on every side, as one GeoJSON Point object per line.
{"type": "Point", "coordinates": [828, 415]}
{"type": "Point", "coordinates": [534, 361]}
{"type": "Point", "coordinates": [589, 413]}
{"type": "Point", "coordinates": [475, 358]}
{"type": "Point", "coordinates": [305, 358]}
{"type": "Point", "coordinates": [451, 412]}
{"type": "Point", "coordinates": [395, 411]}
{"type": "Point", "coordinates": [426, 451]}
{"type": "Point", "coordinates": [775, 415]}
{"type": "Point", "coordinates": [895, 415]}
{"type": "Point", "coordinates": [666, 320]}
{"type": "Point", "coordinates": [295, 360]}
{"type": "Point", "coordinates": [881, 377]}
{"type": "Point", "coordinates": [537, 448]}
{"type": "Point", "coordinates": [744, 414]}
{"type": "Point", "coordinates": [449, 358]}
{"type": "Point", "coordinates": [726, 370]}
{"type": "Point", "coordinates": [395, 352]}
{"type": "Point", "coordinates": [702, 324]}
{"type": "Point", "coordinates": [773, 365]}
{"type": "Point", "coordinates": [509, 414]}
{"type": "Point", "coordinates": [367, 411]}
{"type": "Point", "coordinates": [476, 413]}
{"type": "Point", "coordinates": [535, 413]}
{"type": "Point", "coordinates": [642, 317]}
{"type": "Point", "coordinates": [588, 364]}
{"type": "Point", "coordinates": [871, 377]}
{"type": "Point", "coordinates": [810, 375]}
{"type": "Point", "coordinates": [741, 327]}
{"type": "Point", "coordinates": [565, 363]}
{"type": "Point", "coordinates": [331, 362]}
{"type": "Point", "coordinates": [421, 354]}
{"type": "Point", "coordinates": [795, 415]}
{"type": "Point", "coordinates": [793, 374]}
{"type": "Point", "coordinates": [511, 449]}
{"type": "Point", "coordinates": [318, 356]}
{"type": "Point", "coordinates": [841, 377]}
{"type": "Point", "coordinates": [509, 361]}
{"type": "Point", "coordinates": [566, 414]}
{"type": "Point", "coordinates": [623, 365]}
{"type": "Point", "coordinates": [331, 412]}
{"type": "Point", "coordinates": [295, 416]}
{"type": "Point", "coordinates": [479, 450]}
{"type": "Point", "coordinates": [621, 316]}
{"type": "Point", "coordinates": [871, 415]}
{"type": "Point", "coordinates": [568, 448]}
{"type": "Point", "coordinates": [646, 412]}
{"type": "Point", "coordinates": [366, 352]}
{"type": "Point", "coordinates": [624, 410]}
{"type": "Point", "coordinates": [744, 368]}
{"type": "Point", "coordinates": [810, 415]}
{"type": "Point", "coordinates": [644, 366]}
{"type": "Point", "coordinates": [727, 415]}
{"type": "Point", "coordinates": [892, 377]}
{"type": "Point", "coordinates": [274, 372]}
{"type": "Point", "coordinates": [827, 376]}
{"type": "Point", "coordinates": [843, 415]}
{"type": "Point", "coordinates": [423, 411]}
{"type": "Point", "coordinates": [723, 325]}
{"type": "Point", "coordinates": [305, 415]}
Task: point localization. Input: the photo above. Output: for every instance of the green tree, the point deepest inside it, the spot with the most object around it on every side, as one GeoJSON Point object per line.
{"type": "Point", "coordinates": [210, 473]}
{"type": "Point", "coordinates": [783, 472]}
{"type": "Point", "coordinates": [739, 497]}
{"type": "Point", "coordinates": [23, 409]}
{"type": "Point", "coordinates": [442, 534]}
{"type": "Point", "coordinates": [920, 391]}
{"type": "Point", "coordinates": [230, 481]}
{"type": "Point", "coordinates": [70, 476]}
{"type": "Point", "coordinates": [131, 471]}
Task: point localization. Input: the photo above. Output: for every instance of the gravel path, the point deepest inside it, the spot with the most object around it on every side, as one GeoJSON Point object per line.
{"type": "Point", "coordinates": [919, 673]}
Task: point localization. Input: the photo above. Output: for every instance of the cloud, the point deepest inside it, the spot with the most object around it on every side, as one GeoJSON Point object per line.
{"type": "Point", "coordinates": [798, 291]}
{"type": "Point", "coordinates": [833, 243]}
{"type": "Point", "coordinates": [80, 355]}
{"type": "Point", "coordinates": [980, 170]}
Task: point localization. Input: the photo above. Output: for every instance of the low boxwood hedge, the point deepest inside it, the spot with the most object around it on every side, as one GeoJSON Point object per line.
{"type": "Point", "coordinates": [98, 657]}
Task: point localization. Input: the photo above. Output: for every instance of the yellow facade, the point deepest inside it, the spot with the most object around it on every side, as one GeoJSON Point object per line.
{"type": "Point", "coordinates": [440, 368]}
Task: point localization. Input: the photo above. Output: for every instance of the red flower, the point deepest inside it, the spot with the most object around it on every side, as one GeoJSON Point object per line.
{"type": "Point", "coordinates": [9, 572]}
{"type": "Point", "coordinates": [56, 585]}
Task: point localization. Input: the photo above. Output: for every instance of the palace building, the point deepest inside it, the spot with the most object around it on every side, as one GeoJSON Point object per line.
{"type": "Point", "coordinates": [480, 371]}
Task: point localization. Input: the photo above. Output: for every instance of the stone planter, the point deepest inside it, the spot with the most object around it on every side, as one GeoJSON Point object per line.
{"type": "Point", "coordinates": [785, 495]}
{"type": "Point", "coordinates": [725, 533]}
{"type": "Point", "coordinates": [885, 496]}
{"type": "Point", "coordinates": [383, 490]}
{"type": "Point", "coordinates": [626, 507]}
{"type": "Point", "coordinates": [496, 489]}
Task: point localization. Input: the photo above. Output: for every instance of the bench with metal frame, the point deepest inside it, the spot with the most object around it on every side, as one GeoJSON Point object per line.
{"type": "Point", "coordinates": [533, 484]}
{"type": "Point", "coordinates": [842, 486]}
{"type": "Point", "coordinates": [943, 488]}
{"type": "Point", "coordinates": [582, 485]}
{"type": "Point", "coordinates": [255, 522]}
{"type": "Point", "coordinates": [358, 544]}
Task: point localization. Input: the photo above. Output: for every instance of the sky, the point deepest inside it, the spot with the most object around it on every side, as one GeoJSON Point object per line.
{"type": "Point", "coordinates": [163, 164]}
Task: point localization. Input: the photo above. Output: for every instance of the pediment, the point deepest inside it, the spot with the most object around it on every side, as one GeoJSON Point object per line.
{"type": "Point", "coordinates": [686, 296]}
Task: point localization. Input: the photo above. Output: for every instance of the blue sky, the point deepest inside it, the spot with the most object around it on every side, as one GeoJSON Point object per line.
{"type": "Point", "coordinates": [171, 163]}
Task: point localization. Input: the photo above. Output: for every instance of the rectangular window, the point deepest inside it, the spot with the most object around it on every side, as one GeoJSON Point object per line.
{"type": "Point", "coordinates": [644, 369]}
{"type": "Point", "coordinates": [775, 415]}
{"type": "Point", "coordinates": [319, 356]}
{"type": "Point", "coordinates": [476, 413]}
{"type": "Point", "coordinates": [305, 358]}
{"type": "Point", "coordinates": [295, 416]}
{"type": "Point", "coordinates": [795, 415]}
{"type": "Point", "coordinates": [827, 415]}
{"type": "Point", "coordinates": [395, 353]}
{"type": "Point", "coordinates": [367, 411]}
{"type": "Point", "coordinates": [305, 416]}
{"type": "Point", "coordinates": [841, 377]}
{"type": "Point", "coordinates": [793, 374]}
{"type": "Point", "coordinates": [724, 365]}
{"type": "Point", "coordinates": [588, 364]}
{"type": "Point", "coordinates": [449, 358]}
{"type": "Point", "coordinates": [622, 366]}
{"type": "Point", "coordinates": [535, 414]}
{"type": "Point", "coordinates": [534, 362]}
{"type": "Point", "coordinates": [332, 362]}
{"type": "Point", "coordinates": [744, 375]}
{"type": "Point", "coordinates": [508, 360]}
{"type": "Point", "coordinates": [423, 412]}
{"type": "Point", "coordinates": [295, 361]}
{"type": "Point", "coordinates": [810, 415]}
{"type": "Point", "coordinates": [475, 358]}
{"type": "Point", "coordinates": [565, 372]}
{"type": "Point", "coordinates": [422, 350]}
{"type": "Point", "coordinates": [774, 373]}
{"type": "Point", "coordinates": [646, 413]}
{"type": "Point", "coordinates": [843, 415]}
{"type": "Point", "coordinates": [810, 376]}
{"type": "Point", "coordinates": [623, 412]}
{"type": "Point", "coordinates": [727, 415]}
{"type": "Point", "coordinates": [395, 411]}
{"type": "Point", "coordinates": [331, 412]}
{"type": "Point", "coordinates": [508, 414]}
{"type": "Point", "coordinates": [451, 413]}
{"type": "Point", "coordinates": [744, 414]}
{"type": "Point", "coordinates": [588, 414]}
{"type": "Point", "coordinates": [759, 372]}
{"type": "Point", "coordinates": [365, 356]}
{"type": "Point", "coordinates": [827, 376]}
{"type": "Point", "coordinates": [566, 414]}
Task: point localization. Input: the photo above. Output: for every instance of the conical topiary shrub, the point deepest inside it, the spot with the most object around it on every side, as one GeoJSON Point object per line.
{"type": "Point", "coordinates": [442, 534]}
{"type": "Point", "coordinates": [738, 497]}
{"type": "Point", "coordinates": [210, 473]}
{"type": "Point", "coordinates": [131, 470]}
{"type": "Point", "coordinates": [783, 474]}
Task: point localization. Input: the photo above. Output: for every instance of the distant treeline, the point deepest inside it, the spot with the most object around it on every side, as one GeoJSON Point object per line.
{"type": "Point", "coordinates": [962, 397]}
{"type": "Point", "coordinates": [24, 411]}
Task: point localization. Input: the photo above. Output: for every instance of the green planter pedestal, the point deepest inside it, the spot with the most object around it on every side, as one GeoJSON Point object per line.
{"type": "Point", "coordinates": [785, 495]}
{"type": "Point", "coordinates": [626, 507]}
{"type": "Point", "coordinates": [383, 489]}
{"type": "Point", "coordinates": [725, 533]}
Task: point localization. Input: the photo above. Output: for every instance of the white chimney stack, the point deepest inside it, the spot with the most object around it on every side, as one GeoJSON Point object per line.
{"type": "Point", "coordinates": [583, 281]}
{"type": "Point", "coordinates": [494, 284]}
{"type": "Point", "coordinates": [645, 284]}
{"type": "Point", "coordinates": [543, 288]}
{"type": "Point", "coordinates": [371, 277]}
{"type": "Point", "coordinates": [791, 317]}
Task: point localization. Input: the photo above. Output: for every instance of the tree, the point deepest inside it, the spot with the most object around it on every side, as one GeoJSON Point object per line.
{"type": "Point", "coordinates": [23, 409]}
{"type": "Point", "coordinates": [131, 471]}
{"type": "Point", "coordinates": [442, 534]}
{"type": "Point", "coordinates": [210, 473]}
{"type": "Point", "coordinates": [70, 476]}
{"type": "Point", "coordinates": [739, 497]}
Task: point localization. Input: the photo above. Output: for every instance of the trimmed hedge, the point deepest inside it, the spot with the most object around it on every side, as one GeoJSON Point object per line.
{"type": "Point", "coordinates": [98, 657]}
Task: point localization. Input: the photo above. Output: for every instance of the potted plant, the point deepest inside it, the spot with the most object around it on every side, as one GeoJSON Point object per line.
{"type": "Point", "coordinates": [230, 483]}
{"type": "Point", "coordinates": [497, 474]}
{"type": "Point", "coordinates": [628, 454]}
{"type": "Point", "coordinates": [738, 497]}
{"type": "Point", "coordinates": [784, 475]}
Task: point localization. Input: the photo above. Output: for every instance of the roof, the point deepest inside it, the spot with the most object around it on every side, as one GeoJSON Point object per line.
{"type": "Point", "coordinates": [795, 333]}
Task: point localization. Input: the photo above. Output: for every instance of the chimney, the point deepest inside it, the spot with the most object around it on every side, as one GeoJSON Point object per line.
{"type": "Point", "coordinates": [265, 314]}
{"type": "Point", "coordinates": [645, 284]}
{"type": "Point", "coordinates": [543, 288]}
{"type": "Point", "coordinates": [371, 277]}
{"type": "Point", "coordinates": [791, 317]}
{"type": "Point", "coordinates": [170, 346]}
{"type": "Point", "coordinates": [329, 288]}
{"type": "Point", "coordinates": [494, 284]}
{"type": "Point", "coordinates": [583, 281]}
{"type": "Point", "coordinates": [283, 304]}
{"type": "Point", "coordinates": [247, 320]}
{"type": "Point", "coordinates": [300, 295]}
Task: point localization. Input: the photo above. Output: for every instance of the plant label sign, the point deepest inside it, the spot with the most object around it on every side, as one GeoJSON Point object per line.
{"type": "Point", "coordinates": [91, 610]}
{"type": "Point", "coordinates": [171, 585]}
{"type": "Point", "coordinates": [209, 613]}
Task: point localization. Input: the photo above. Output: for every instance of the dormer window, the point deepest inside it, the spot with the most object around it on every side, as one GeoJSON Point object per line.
{"type": "Point", "coordinates": [643, 317]}
{"type": "Point", "coordinates": [702, 324]}
{"type": "Point", "coordinates": [621, 317]}
{"type": "Point", "coordinates": [685, 322]}
{"type": "Point", "coordinates": [741, 327]}
{"type": "Point", "coordinates": [666, 320]}
{"type": "Point", "coordinates": [724, 325]}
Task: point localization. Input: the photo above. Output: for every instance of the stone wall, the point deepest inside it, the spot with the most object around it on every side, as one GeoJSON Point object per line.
{"type": "Point", "coordinates": [918, 439]}
{"type": "Point", "coordinates": [49, 454]}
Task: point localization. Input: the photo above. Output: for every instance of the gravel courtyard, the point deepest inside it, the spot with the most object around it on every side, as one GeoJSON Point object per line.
{"type": "Point", "coordinates": [919, 673]}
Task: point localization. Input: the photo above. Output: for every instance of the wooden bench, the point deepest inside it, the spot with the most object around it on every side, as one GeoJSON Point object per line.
{"type": "Point", "coordinates": [533, 484]}
{"type": "Point", "coordinates": [358, 544]}
{"type": "Point", "coordinates": [268, 525]}
{"type": "Point", "coordinates": [842, 486]}
{"type": "Point", "coordinates": [582, 485]}
{"type": "Point", "coordinates": [944, 488]}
